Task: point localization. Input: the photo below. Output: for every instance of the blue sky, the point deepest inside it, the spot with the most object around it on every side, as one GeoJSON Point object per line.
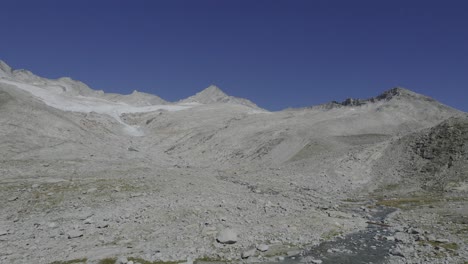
{"type": "Point", "coordinates": [278, 54]}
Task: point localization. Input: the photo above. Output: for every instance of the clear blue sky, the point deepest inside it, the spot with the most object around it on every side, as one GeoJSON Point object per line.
{"type": "Point", "coordinates": [278, 54]}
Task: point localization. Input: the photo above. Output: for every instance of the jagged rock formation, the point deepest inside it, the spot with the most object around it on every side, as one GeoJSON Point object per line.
{"type": "Point", "coordinates": [431, 159]}
{"type": "Point", "coordinates": [397, 92]}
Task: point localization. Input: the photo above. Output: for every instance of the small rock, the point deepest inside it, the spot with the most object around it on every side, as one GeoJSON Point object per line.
{"type": "Point", "coordinates": [402, 237]}
{"type": "Point", "coordinates": [52, 225]}
{"type": "Point", "coordinates": [442, 240]}
{"type": "Point", "coordinates": [248, 253]}
{"type": "Point", "coordinates": [227, 236]}
{"type": "Point", "coordinates": [3, 232]}
{"type": "Point", "coordinates": [102, 225]}
{"type": "Point", "coordinates": [88, 221]}
{"type": "Point", "coordinates": [310, 259]}
{"type": "Point", "coordinates": [262, 247]}
{"type": "Point", "coordinates": [84, 216]}
{"type": "Point", "coordinates": [121, 260]}
{"type": "Point", "coordinates": [14, 198]}
{"type": "Point", "coordinates": [34, 186]}
{"type": "Point", "coordinates": [293, 253]}
{"type": "Point", "coordinates": [91, 190]}
{"type": "Point", "coordinates": [74, 234]}
{"type": "Point", "coordinates": [396, 252]}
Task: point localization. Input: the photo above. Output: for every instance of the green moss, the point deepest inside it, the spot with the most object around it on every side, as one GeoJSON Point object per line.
{"type": "Point", "coordinates": [331, 234]}
{"type": "Point", "coordinates": [83, 260]}
{"type": "Point", "coordinates": [208, 259]}
{"type": "Point", "coordinates": [448, 246]}
{"type": "Point", "coordinates": [108, 261]}
{"type": "Point", "coordinates": [143, 261]}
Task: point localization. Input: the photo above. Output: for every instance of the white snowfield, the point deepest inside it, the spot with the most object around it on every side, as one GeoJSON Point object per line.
{"type": "Point", "coordinates": [86, 104]}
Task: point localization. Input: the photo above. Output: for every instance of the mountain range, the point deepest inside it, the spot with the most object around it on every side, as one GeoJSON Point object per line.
{"type": "Point", "coordinates": [90, 175]}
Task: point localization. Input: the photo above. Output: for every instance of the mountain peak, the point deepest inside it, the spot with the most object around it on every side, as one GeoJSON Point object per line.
{"type": "Point", "coordinates": [209, 95]}
{"type": "Point", "coordinates": [213, 94]}
{"type": "Point", "coordinates": [213, 90]}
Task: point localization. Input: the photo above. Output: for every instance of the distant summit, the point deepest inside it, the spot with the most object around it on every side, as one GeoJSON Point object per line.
{"type": "Point", "coordinates": [213, 94]}
{"type": "Point", "coordinates": [394, 93]}
{"type": "Point", "coordinates": [136, 98]}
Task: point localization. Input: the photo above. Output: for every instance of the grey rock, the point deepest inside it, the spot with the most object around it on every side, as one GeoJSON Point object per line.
{"type": "Point", "coordinates": [227, 236]}
{"type": "Point", "coordinates": [402, 237]}
{"type": "Point", "coordinates": [248, 253]}
{"type": "Point", "coordinates": [262, 247]}
{"type": "Point", "coordinates": [396, 252]}
{"type": "Point", "coordinates": [74, 234]}
{"type": "Point", "coordinates": [293, 253]}
{"type": "Point", "coordinates": [14, 198]}
{"type": "Point", "coordinates": [102, 225]}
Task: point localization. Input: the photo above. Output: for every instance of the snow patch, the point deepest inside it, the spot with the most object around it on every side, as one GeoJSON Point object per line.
{"type": "Point", "coordinates": [57, 99]}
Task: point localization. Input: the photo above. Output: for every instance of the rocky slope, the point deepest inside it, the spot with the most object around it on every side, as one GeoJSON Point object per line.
{"type": "Point", "coordinates": [90, 175]}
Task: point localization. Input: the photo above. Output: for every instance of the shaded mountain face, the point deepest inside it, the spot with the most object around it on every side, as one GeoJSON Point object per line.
{"type": "Point", "coordinates": [434, 159]}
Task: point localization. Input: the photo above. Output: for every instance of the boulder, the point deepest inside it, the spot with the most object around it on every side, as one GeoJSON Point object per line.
{"type": "Point", "coordinates": [227, 236]}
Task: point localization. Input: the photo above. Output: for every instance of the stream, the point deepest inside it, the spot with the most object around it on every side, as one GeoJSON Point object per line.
{"type": "Point", "coordinates": [359, 247]}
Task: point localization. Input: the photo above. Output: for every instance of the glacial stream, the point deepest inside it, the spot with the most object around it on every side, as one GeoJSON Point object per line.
{"type": "Point", "coordinates": [359, 247]}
